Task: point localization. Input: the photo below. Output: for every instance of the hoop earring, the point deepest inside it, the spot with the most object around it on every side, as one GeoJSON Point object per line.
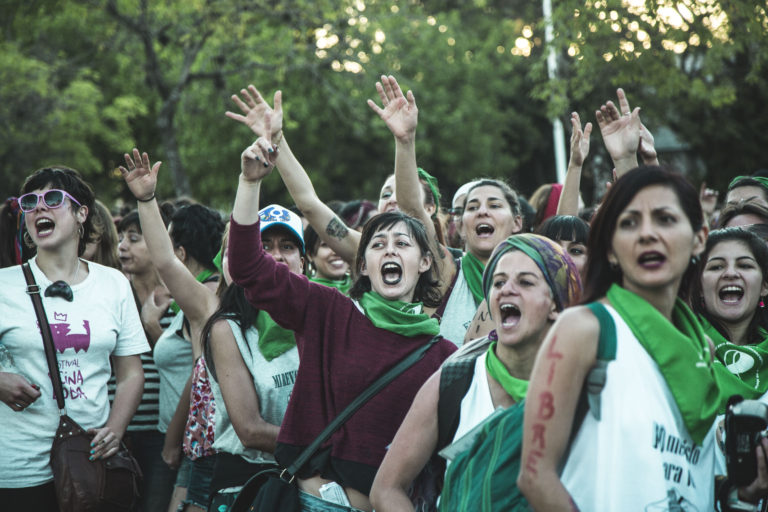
{"type": "Point", "coordinates": [28, 240]}
{"type": "Point", "coordinates": [80, 230]}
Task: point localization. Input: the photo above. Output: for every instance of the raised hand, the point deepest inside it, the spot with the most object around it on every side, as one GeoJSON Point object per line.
{"type": "Point", "coordinates": [255, 112]}
{"type": "Point", "coordinates": [647, 149]}
{"type": "Point", "coordinates": [620, 128]}
{"type": "Point", "coordinates": [579, 140]}
{"type": "Point", "coordinates": [258, 159]}
{"type": "Point", "coordinates": [400, 112]}
{"type": "Point", "coordinates": [140, 177]}
{"type": "Point", "coordinates": [708, 200]}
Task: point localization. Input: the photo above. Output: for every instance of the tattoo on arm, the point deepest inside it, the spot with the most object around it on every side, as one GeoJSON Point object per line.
{"type": "Point", "coordinates": [337, 229]}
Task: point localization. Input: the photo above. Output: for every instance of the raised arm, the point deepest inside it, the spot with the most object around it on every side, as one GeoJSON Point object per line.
{"type": "Point", "coordinates": [569, 198]}
{"type": "Point", "coordinates": [401, 116]}
{"type": "Point", "coordinates": [196, 300]}
{"type": "Point", "coordinates": [239, 394]}
{"type": "Point", "coordinates": [620, 128]}
{"type": "Point", "coordinates": [409, 452]}
{"type": "Point", "coordinates": [327, 224]}
{"type": "Point", "coordinates": [562, 363]}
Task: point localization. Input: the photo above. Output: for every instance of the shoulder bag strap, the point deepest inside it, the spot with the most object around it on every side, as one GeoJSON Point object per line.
{"type": "Point", "coordinates": [33, 290]}
{"type": "Point", "coordinates": [358, 402]}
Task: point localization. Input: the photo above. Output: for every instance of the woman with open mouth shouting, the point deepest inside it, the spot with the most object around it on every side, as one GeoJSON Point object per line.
{"type": "Point", "coordinates": [491, 212]}
{"type": "Point", "coordinates": [94, 325]}
{"type": "Point", "coordinates": [528, 281]}
{"type": "Point", "coordinates": [653, 415]}
{"type": "Point", "coordinates": [344, 344]}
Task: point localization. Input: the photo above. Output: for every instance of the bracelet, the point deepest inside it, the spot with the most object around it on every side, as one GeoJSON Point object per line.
{"type": "Point", "coordinates": [279, 140]}
{"type": "Point", "coordinates": [147, 199]}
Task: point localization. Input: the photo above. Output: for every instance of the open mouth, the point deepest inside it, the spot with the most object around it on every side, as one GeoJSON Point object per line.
{"type": "Point", "coordinates": [391, 273]}
{"type": "Point", "coordinates": [337, 263]}
{"type": "Point", "coordinates": [731, 294]}
{"type": "Point", "coordinates": [510, 315]}
{"type": "Point", "coordinates": [484, 230]}
{"type": "Point", "coordinates": [44, 226]}
{"type": "Point", "coordinates": [651, 259]}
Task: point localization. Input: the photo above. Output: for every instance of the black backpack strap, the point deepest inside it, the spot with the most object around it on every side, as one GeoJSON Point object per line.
{"type": "Point", "coordinates": [455, 379]}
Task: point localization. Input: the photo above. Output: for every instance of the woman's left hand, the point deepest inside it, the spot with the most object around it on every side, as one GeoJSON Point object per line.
{"type": "Point", "coordinates": [139, 175]}
{"type": "Point", "coordinates": [258, 159]}
{"type": "Point", "coordinates": [105, 443]}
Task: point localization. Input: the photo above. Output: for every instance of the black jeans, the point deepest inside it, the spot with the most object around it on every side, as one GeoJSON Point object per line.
{"type": "Point", "coordinates": [40, 498]}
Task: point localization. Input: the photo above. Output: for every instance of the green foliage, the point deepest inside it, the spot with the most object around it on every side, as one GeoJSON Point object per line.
{"type": "Point", "coordinates": [82, 82]}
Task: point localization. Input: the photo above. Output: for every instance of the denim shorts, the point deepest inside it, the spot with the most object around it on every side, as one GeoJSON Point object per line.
{"type": "Point", "coordinates": [196, 476]}
{"type": "Point", "coordinates": [312, 503]}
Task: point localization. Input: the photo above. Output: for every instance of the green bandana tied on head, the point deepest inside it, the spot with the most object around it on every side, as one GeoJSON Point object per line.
{"type": "Point", "coordinates": [741, 369]}
{"type": "Point", "coordinates": [404, 318]}
{"type": "Point", "coordinates": [273, 339]}
{"type": "Point", "coordinates": [200, 278]}
{"type": "Point", "coordinates": [681, 352]}
{"type": "Point", "coordinates": [516, 388]}
{"type": "Point", "coordinates": [472, 268]}
{"type": "Point", "coordinates": [432, 184]}
{"type": "Point", "coordinates": [342, 285]}
{"type": "Point", "coordinates": [761, 180]}
{"type": "Point", "coordinates": [556, 266]}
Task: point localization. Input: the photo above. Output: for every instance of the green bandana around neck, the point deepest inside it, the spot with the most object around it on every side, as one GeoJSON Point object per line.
{"type": "Point", "coordinates": [200, 278]}
{"type": "Point", "coordinates": [342, 285]}
{"type": "Point", "coordinates": [273, 339]}
{"type": "Point", "coordinates": [403, 318]}
{"type": "Point", "coordinates": [473, 275]}
{"type": "Point", "coordinates": [681, 352]}
{"type": "Point", "coordinates": [741, 369]}
{"type": "Point", "coordinates": [516, 388]}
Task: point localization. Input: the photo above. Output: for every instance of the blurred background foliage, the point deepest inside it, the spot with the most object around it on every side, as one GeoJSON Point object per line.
{"type": "Point", "coordinates": [83, 81]}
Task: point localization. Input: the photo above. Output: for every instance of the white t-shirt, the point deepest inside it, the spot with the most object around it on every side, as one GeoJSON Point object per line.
{"type": "Point", "coordinates": [101, 321]}
{"type": "Point", "coordinates": [459, 311]}
{"type": "Point", "coordinates": [639, 455]}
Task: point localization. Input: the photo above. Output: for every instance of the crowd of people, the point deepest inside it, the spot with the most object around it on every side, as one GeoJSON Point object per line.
{"type": "Point", "coordinates": [577, 358]}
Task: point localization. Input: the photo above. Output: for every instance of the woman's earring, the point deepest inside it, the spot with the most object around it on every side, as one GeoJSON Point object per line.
{"type": "Point", "coordinates": [694, 260]}
{"type": "Point", "coordinates": [80, 230]}
{"type": "Point", "coordinates": [28, 240]}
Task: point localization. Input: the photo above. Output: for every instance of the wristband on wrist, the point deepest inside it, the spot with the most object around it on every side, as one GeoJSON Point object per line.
{"type": "Point", "coordinates": [147, 199]}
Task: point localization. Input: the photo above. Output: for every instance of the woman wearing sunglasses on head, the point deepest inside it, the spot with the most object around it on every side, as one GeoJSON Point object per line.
{"type": "Point", "coordinates": [93, 317]}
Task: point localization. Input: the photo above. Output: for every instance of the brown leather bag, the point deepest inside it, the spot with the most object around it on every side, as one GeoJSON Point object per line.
{"type": "Point", "coordinates": [82, 485]}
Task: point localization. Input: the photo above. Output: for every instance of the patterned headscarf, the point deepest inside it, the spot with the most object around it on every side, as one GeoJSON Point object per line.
{"type": "Point", "coordinates": [556, 266]}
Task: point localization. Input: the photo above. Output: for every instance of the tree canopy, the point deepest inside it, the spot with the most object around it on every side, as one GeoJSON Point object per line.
{"type": "Point", "coordinates": [82, 82]}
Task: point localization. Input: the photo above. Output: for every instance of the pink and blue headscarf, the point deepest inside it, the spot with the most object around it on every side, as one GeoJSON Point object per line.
{"type": "Point", "coordinates": [558, 269]}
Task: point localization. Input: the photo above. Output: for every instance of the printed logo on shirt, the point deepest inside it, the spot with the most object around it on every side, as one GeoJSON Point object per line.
{"type": "Point", "coordinates": [63, 338]}
{"type": "Point", "coordinates": [284, 379]}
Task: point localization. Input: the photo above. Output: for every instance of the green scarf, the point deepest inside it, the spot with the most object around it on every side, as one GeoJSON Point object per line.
{"type": "Point", "coordinates": [403, 318]}
{"type": "Point", "coordinates": [273, 339]}
{"type": "Point", "coordinates": [681, 352]}
{"type": "Point", "coordinates": [473, 275]}
{"type": "Point", "coordinates": [741, 369]}
{"type": "Point", "coordinates": [201, 278]}
{"type": "Point", "coordinates": [432, 184]}
{"type": "Point", "coordinates": [762, 181]}
{"type": "Point", "coordinates": [342, 285]}
{"type": "Point", "coordinates": [516, 388]}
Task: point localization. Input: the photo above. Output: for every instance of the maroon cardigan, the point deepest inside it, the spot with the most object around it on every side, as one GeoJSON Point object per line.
{"type": "Point", "coordinates": [341, 353]}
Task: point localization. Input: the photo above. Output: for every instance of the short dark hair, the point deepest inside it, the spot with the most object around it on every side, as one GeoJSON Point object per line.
{"type": "Point", "coordinates": [69, 180]}
{"type": "Point", "coordinates": [599, 276]}
{"type": "Point", "coordinates": [198, 229]}
{"type": "Point", "coordinates": [131, 219]}
{"type": "Point", "coordinates": [759, 251]}
{"type": "Point", "coordinates": [750, 206]}
{"type": "Point", "coordinates": [428, 287]}
{"type": "Point", "coordinates": [747, 181]}
{"type": "Point", "coordinates": [565, 227]}
{"type": "Point", "coordinates": [509, 194]}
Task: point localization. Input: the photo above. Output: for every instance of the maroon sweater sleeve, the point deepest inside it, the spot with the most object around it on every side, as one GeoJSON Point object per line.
{"type": "Point", "coordinates": [290, 299]}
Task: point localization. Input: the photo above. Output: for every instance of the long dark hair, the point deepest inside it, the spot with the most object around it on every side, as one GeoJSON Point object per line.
{"type": "Point", "coordinates": [759, 251]}
{"type": "Point", "coordinates": [427, 288]}
{"type": "Point", "coordinates": [599, 275]}
{"type": "Point", "coordinates": [232, 306]}
{"type": "Point", "coordinates": [67, 179]}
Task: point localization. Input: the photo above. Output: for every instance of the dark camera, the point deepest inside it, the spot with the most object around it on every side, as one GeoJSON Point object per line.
{"type": "Point", "coordinates": [745, 424]}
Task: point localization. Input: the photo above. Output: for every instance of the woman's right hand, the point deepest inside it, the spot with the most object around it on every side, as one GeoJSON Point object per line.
{"type": "Point", "coordinates": [256, 113]}
{"type": "Point", "coordinates": [140, 177]}
{"type": "Point", "coordinates": [172, 456]}
{"type": "Point", "coordinates": [16, 392]}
